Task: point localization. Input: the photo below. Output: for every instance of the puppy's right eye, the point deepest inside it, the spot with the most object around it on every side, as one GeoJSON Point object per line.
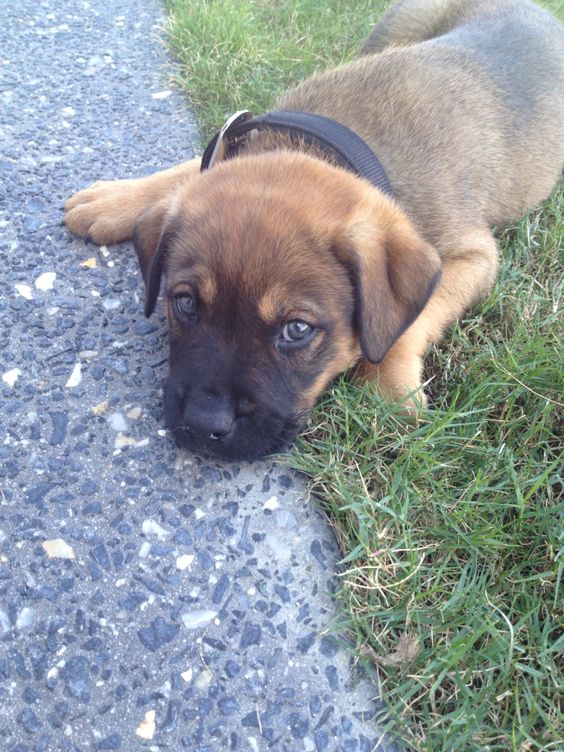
{"type": "Point", "coordinates": [185, 305]}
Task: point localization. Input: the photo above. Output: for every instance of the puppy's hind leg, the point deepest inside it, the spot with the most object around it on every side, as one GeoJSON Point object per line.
{"type": "Point", "coordinates": [410, 21]}
{"type": "Point", "coordinates": [106, 211]}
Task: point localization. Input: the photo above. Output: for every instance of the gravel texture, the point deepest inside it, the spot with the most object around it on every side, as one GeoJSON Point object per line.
{"type": "Point", "coordinates": [148, 599]}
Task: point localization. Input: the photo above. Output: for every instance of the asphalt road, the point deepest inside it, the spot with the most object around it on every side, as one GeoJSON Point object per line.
{"type": "Point", "coordinates": [148, 599]}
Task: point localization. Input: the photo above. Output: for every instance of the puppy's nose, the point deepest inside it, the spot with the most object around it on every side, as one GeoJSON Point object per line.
{"type": "Point", "coordinates": [210, 418]}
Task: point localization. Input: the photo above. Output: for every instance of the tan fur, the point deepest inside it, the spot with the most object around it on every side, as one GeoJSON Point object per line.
{"type": "Point", "coordinates": [107, 211]}
{"type": "Point", "coordinates": [460, 159]}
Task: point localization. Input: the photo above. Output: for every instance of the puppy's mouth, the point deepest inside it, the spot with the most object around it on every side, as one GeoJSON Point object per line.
{"type": "Point", "coordinates": [225, 449]}
{"type": "Point", "coordinates": [244, 438]}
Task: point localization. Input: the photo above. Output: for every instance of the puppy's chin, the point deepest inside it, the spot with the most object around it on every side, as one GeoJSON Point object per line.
{"type": "Point", "coordinates": [252, 438]}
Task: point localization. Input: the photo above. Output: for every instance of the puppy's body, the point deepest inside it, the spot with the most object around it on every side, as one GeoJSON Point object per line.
{"type": "Point", "coordinates": [463, 102]}
{"type": "Point", "coordinates": [469, 125]}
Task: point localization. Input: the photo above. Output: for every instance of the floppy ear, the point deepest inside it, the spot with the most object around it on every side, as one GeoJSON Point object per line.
{"type": "Point", "coordinates": [394, 272]}
{"type": "Point", "coordinates": [151, 239]}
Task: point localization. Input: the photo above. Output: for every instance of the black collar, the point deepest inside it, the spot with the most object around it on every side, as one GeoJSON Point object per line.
{"type": "Point", "coordinates": [346, 148]}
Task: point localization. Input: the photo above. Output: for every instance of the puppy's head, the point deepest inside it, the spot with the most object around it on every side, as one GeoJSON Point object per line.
{"type": "Point", "coordinates": [281, 271]}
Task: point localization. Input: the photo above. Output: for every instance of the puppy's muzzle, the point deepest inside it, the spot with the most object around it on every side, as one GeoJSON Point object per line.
{"type": "Point", "coordinates": [217, 423]}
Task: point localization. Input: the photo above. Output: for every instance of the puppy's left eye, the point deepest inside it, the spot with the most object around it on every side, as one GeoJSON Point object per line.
{"type": "Point", "coordinates": [295, 331]}
{"type": "Point", "coordinates": [185, 305]}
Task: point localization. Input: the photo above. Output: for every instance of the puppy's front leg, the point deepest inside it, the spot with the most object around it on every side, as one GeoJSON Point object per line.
{"type": "Point", "coordinates": [106, 211]}
{"type": "Point", "coordinates": [469, 270]}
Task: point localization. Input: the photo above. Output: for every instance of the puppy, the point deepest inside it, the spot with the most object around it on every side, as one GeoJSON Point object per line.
{"type": "Point", "coordinates": [284, 267]}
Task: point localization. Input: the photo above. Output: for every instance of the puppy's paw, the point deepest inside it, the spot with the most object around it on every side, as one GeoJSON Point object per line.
{"type": "Point", "coordinates": [410, 398]}
{"type": "Point", "coordinates": [398, 380]}
{"type": "Point", "coordinates": [412, 401]}
{"type": "Point", "coordinates": [106, 211]}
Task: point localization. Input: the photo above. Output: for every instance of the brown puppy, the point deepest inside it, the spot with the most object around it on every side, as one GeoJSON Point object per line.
{"type": "Point", "coordinates": [283, 269]}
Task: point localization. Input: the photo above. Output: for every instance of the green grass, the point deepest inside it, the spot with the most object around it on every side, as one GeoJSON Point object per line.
{"type": "Point", "coordinates": [451, 530]}
{"type": "Point", "coordinates": [241, 54]}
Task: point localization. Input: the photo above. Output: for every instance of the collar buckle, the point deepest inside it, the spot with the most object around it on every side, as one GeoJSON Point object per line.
{"type": "Point", "coordinates": [220, 145]}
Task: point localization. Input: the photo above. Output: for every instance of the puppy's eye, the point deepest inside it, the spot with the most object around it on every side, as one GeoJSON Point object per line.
{"type": "Point", "coordinates": [185, 305]}
{"type": "Point", "coordinates": [296, 331]}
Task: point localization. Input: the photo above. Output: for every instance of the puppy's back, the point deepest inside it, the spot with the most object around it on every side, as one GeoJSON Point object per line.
{"type": "Point", "coordinates": [520, 48]}
{"type": "Point", "coordinates": [469, 122]}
